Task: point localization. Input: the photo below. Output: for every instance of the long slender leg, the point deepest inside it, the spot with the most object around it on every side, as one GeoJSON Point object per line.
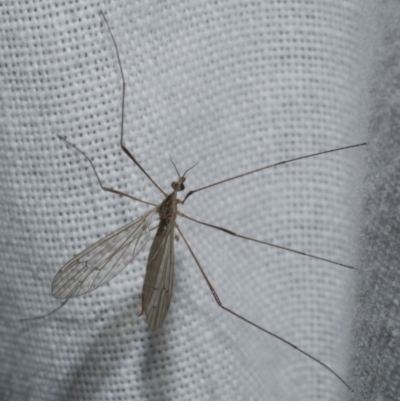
{"type": "Point", "coordinates": [114, 191]}
{"type": "Point", "coordinates": [127, 152]}
{"type": "Point", "coordinates": [219, 303]}
{"type": "Point", "coordinates": [270, 166]}
{"type": "Point", "coordinates": [263, 242]}
{"type": "Point", "coordinates": [46, 314]}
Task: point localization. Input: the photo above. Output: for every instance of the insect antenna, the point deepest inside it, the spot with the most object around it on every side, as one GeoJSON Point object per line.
{"type": "Point", "coordinates": [176, 168]}
{"type": "Point", "coordinates": [190, 168]}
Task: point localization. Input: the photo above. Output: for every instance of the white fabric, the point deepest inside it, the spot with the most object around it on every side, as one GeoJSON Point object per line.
{"type": "Point", "coordinates": [234, 86]}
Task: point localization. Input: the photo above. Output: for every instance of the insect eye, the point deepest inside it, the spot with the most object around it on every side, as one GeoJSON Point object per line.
{"type": "Point", "coordinates": [182, 187]}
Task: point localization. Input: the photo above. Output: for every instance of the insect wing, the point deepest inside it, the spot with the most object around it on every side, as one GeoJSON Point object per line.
{"type": "Point", "coordinates": [102, 261]}
{"type": "Point", "coordinates": [157, 286]}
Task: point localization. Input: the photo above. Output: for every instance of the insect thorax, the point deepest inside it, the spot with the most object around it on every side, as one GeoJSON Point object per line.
{"type": "Point", "coordinates": [168, 208]}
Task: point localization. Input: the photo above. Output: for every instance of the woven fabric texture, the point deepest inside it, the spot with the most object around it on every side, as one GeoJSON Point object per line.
{"type": "Point", "coordinates": [234, 86]}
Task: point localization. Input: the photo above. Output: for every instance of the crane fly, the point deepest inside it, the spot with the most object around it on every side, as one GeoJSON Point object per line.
{"type": "Point", "coordinates": [102, 261]}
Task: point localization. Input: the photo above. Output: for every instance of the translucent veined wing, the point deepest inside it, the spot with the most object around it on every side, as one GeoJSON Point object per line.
{"type": "Point", "coordinates": [102, 261]}
{"type": "Point", "coordinates": [157, 286]}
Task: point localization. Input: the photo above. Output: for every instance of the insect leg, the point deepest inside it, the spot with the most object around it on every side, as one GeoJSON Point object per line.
{"type": "Point", "coordinates": [123, 147]}
{"type": "Point", "coordinates": [114, 191]}
{"type": "Point", "coordinates": [264, 242]}
{"type": "Point", "coordinates": [270, 166]}
{"type": "Point", "coordinates": [46, 314]}
{"type": "Point", "coordinates": [218, 301]}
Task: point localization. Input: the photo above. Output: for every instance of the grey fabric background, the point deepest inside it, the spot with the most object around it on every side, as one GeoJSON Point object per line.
{"type": "Point", "coordinates": [376, 352]}
{"type": "Point", "coordinates": [235, 86]}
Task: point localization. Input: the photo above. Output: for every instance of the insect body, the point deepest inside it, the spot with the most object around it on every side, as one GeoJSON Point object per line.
{"type": "Point", "coordinates": [103, 260]}
{"type": "Point", "coordinates": [158, 281]}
